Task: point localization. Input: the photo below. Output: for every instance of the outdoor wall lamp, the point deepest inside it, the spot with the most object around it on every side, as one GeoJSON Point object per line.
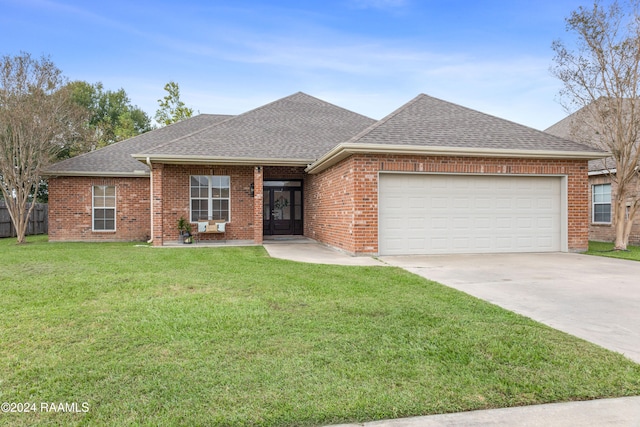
{"type": "Point", "coordinates": [251, 190]}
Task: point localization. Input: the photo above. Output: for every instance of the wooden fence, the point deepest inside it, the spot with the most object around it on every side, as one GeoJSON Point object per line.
{"type": "Point", "coordinates": [38, 220]}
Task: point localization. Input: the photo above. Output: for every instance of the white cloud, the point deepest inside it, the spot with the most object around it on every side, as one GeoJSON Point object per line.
{"type": "Point", "coordinates": [369, 76]}
{"type": "Point", "coordinates": [231, 68]}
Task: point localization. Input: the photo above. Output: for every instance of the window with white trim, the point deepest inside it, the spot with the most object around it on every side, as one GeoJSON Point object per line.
{"type": "Point", "coordinates": [601, 203]}
{"type": "Point", "coordinates": [104, 208]}
{"type": "Point", "coordinates": [209, 198]}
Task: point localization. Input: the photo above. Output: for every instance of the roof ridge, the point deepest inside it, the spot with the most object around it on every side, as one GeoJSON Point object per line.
{"type": "Point", "coordinates": [127, 140]}
{"type": "Point", "coordinates": [230, 117]}
{"type": "Point", "coordinates": [494, 117]}
{"type": "Point", "coordinates": [503, 119]}
{"type": "Point", "coordinates": [155, 147]}
{"type": "Point", "coordinates": [520, 125]}
{"type": "Point", "coordinates": [239, 116]}
{"type": "Point", "coordinates": [385, 119]}
{"type": "Point", "coordinates": [519, 133]}
{"type": "Point", "coordinates": [133, 144]}
{"type": "Point", "coordinates": [331, 104]}
{"type": "Point", "coordinates": [306, 95]}
{"type": "Point", "coordinates": [113, 144]}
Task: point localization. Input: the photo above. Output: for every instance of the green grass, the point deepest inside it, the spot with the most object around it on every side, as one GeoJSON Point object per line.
{"type": "Point", "coordinates": [231, 337]}
{"type": "Point", "coordinates": [606, 249]}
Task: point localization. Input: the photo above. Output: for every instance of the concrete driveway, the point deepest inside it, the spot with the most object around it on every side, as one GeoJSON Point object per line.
{"type": "Point", "coordinates": [594, 298]}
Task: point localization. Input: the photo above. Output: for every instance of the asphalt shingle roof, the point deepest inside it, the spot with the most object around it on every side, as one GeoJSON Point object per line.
{"type": "Point", "coordinates": [428, 121]}
{"type": "Point", "coordinates": [116, 158]}
{"type": "Point", "coordinates": [568, 128]}
{"type": "Point", "coordinates": [301, 128]}
{"type": "Point", "coordinates": [298, 127]}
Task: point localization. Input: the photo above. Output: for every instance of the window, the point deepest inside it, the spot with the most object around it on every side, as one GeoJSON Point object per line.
{"type": "Point", "coordinates": [602, 203]}
{"type": "Point", "coordinates": [209, 197]}
{"type": "Point", "coordinates": [104, 208]}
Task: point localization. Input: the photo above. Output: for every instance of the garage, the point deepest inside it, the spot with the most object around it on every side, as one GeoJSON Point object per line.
{"type": "Point", "coordinates": [446, 214]}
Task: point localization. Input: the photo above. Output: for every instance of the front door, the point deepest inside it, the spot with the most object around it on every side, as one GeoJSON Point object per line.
{"type": "Point", "coordinates": [282, 212]}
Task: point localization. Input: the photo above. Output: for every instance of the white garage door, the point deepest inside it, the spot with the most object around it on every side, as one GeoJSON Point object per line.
{"type": "Point", "coordinates": [442, 214]}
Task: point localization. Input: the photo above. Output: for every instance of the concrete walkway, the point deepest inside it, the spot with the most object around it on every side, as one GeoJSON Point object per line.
{"type": "Point", "coordinates": [595, 298]}
{"type": "Point", "coordinates": [623, 412]}
{"type": "Point", "coordinates": [307, 250]}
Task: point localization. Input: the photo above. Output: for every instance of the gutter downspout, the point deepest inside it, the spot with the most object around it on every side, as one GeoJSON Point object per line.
{"type": "Point", "coordinates": [150, 198]}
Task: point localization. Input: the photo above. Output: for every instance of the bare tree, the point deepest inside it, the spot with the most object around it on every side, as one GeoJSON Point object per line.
{"type": "Point", "coordinates": [37, 118]}
{"type": "Point", "coordinates": [600, 79]}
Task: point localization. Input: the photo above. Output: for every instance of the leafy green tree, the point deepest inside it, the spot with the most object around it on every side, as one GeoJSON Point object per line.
{"type": "Point", "coordinates": [172, 109]}
{"type": "Point", "coordinates": [112, 116]}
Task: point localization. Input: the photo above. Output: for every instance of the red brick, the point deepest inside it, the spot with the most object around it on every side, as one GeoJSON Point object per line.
{"type": "Point", "coordinates": [343, 211]}
{"type": "Point", "coordinates": [70, 209]}
{"type": "Point", "coordinates": [340, 203]}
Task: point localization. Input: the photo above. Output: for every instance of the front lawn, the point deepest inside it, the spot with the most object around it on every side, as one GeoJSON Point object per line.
{"type": "Point", "coordinates": [606, 249]}
{"type": "Point", "coordinates": [231, 337]}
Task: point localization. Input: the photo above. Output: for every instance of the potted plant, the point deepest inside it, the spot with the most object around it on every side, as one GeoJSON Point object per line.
{"type": "Point", "coordinates": [184, 227]}
{"type": "Point", "coordinates": [188, 237]}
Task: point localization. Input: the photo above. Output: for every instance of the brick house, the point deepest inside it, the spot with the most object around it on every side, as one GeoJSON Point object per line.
{"type": "Point", "coordinates": [602, 189]}
{"type": "Point", "coordinates": [431, 177]}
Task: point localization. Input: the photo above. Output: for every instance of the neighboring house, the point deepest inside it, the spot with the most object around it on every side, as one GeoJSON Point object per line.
{"type": "Point", "coordinates": [602, 189]}
{"type": "Point", "coordinates": [432, 177]}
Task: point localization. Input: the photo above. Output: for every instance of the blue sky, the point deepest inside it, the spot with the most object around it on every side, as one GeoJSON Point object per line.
{"type": "Point", "coordinates": [370, 56]}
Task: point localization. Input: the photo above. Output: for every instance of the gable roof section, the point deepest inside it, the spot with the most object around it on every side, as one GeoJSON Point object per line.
{"type": "Point", "coordinates": [430, 126]}
{"type": "Point", "coordinates": [116, 160]}
{"type": "Point", "coordinates": [295, 130]}
{"type": "Point", "coordinates": [569, 128]}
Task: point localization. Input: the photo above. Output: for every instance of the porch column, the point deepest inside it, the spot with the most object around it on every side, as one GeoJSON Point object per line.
{"type": "Point", "coordinates": [257, 204]}
{"type": "Point", "coordinates": [156, 205]}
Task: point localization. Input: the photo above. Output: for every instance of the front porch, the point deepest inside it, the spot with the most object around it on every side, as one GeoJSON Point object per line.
{"type": "Point", "coordinates": [267, 240]}
{"type": "Point", "coordinates": [254, 201]}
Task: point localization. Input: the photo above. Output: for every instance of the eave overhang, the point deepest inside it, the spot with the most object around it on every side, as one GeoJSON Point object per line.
{"type": "Point", "coordinates": [342, 151]}
{"type": "Point", "coordinates": [213, 160]}
{"type": "Point", "coordinates": [603, 172]}
{"type": "Point", "coordinates": [101, 174]}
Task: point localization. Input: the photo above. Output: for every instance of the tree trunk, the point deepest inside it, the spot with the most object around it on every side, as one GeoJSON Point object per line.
{"type": "Point", "coordinates": [20, 216]}
{"type": "Point", "coordinates": [620, 223]}
{"type": "Point", "coordinates": [629, 222]}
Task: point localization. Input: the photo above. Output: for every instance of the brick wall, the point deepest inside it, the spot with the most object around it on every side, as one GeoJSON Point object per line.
{"type": "Point", "coordinates": [607, 232]}
{"type": "Point", "coordinates": [171, 201]}
{"type": "Point", "coordinates": [342, 211]}
{"type": "Point", "coordinates": [70, 203]}
{"type": "Point", "coordinates": [340, 203]}
{"type": "Point", "coordinates": [329, 206]}
{"type": "Point", "coordinates": [70, 209]}
{"type": "Point", "coordinates": [283, 172]}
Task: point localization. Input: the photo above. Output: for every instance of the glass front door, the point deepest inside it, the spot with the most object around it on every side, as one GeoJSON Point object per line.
{"type": "Point", "coordinates": [282, 209]}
